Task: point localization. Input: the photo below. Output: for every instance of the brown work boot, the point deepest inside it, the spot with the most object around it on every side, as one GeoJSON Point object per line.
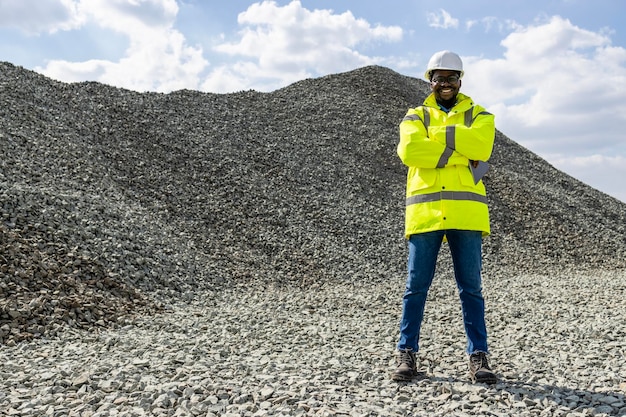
{"type": "Point", "coordinates": [407, 367]}
{"type": "Point", "coordinates": [480, 370]}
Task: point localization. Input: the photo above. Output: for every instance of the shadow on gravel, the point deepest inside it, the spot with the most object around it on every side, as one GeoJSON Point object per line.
{"type": "Point", "coordinates": [524, 395]}
{"type": "Point", "coordinates": [575, 399]}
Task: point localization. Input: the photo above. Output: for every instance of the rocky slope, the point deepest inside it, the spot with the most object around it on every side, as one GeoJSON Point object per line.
{"type": "Point", "coordinates": [114, 202]}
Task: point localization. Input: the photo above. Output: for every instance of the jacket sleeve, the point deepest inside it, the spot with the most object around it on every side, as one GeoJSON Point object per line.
{"type": "Point", "coordinates": [416, 149]}
{"type": "Point", "coordinates": [472, 138]}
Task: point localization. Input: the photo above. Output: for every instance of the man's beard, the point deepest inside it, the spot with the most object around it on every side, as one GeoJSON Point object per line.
{"type": "Point", "coordinates": [448, 104]}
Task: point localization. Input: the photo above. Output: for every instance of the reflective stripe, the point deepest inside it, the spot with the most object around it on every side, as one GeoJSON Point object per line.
{"type": "Point", "coordinates": [482, 113]}
{"type": "Point", "coordinates": [469, 118]}
{"type": "Point", "coordinates": [445, 156]}
{"type": "Point", "coordinates": [415, 117]}
{"type": "Point", "coordinates": [451, 137]}
{"type": "Point", "coordinates": [450, 146]}
{"type": "Point", "coordinates": [411, 117]}
{"type": "Point", "coordinates": [446, 195]}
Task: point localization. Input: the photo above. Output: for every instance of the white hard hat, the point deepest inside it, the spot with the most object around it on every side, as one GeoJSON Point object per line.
{"type": "Point", "coordinates": [444, 60]}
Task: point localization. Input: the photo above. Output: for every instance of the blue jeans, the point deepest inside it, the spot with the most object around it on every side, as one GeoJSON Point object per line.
{"type": "Point", "coordinates": [466, 248]}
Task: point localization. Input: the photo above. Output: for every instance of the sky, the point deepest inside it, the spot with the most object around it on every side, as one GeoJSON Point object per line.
{"type": "Point", "coordinates": [552, 71]}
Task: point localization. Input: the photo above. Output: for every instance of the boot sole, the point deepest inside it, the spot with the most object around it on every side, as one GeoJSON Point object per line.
{"type": "Point", "coordinates": [486, 380]}
{"type": "Point", "coordinates": [403, 378]}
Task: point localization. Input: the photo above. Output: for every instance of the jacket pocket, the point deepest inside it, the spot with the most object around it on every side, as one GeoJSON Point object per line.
{"type": "Point", "coordinates": [465, 176]}
{"type": "Point", "coordinates": [422, 178]}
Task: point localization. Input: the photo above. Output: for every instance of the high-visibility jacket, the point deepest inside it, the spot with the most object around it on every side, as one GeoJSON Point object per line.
{"type": "Point", "coordinates": [438, 147]}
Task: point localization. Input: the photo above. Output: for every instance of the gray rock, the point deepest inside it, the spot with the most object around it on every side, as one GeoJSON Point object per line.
{"type": "Point", "coordinates": [242, 254]}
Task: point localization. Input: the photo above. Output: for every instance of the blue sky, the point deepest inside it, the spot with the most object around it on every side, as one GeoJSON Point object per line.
{"type": "Point", "coordinates": [552, 71]}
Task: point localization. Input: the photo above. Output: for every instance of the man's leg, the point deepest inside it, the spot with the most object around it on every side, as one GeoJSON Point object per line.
{"type": "Point", "coordinates": [423, 250]}
{"type": "Point", "coordinates": [466, 250]}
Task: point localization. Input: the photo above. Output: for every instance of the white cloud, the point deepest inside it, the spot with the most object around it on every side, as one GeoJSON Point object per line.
{"type": "Point", "coordinates": [276, 45]}
{"type": "Point", "coordinates": [281, 45]}
{"type": "Point", "coordinates": [591, 161]}
{"type": "Point", "coordinates": [157, 57]}
{"type": "Point", "coordinates": [555, 86]}
{"type": "Point", "coordinates": [442, 20]}
{"type": "Point", "coordinates": [35, 16]}
{"type": "Point", "coordinates": [131, 16]}
{"type": "Point", "coordinates": [558, 87]}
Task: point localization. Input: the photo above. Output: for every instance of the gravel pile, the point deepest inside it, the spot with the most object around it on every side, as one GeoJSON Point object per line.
{"type": "Point", "coordinates": [242, 254]}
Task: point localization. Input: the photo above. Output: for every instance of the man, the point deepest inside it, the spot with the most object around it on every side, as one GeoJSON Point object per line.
{"type": "Point", "coordinates": [442, 143]}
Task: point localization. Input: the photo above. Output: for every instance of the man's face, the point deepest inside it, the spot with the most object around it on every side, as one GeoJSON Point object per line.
{"type": "Point", "coordinates": [444, 85]}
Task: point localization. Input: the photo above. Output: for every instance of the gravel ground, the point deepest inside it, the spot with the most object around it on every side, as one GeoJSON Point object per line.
{"type": "Point", "coordinates": [242, 255]}
{"type": "Point", "coordinates": [328, 351]}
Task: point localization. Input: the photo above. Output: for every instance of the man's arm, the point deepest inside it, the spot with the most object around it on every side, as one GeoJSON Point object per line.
{"type": "Point", "coordinates": [416, 149]}
{"type": "Point", "coordinates": [474, 142]}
